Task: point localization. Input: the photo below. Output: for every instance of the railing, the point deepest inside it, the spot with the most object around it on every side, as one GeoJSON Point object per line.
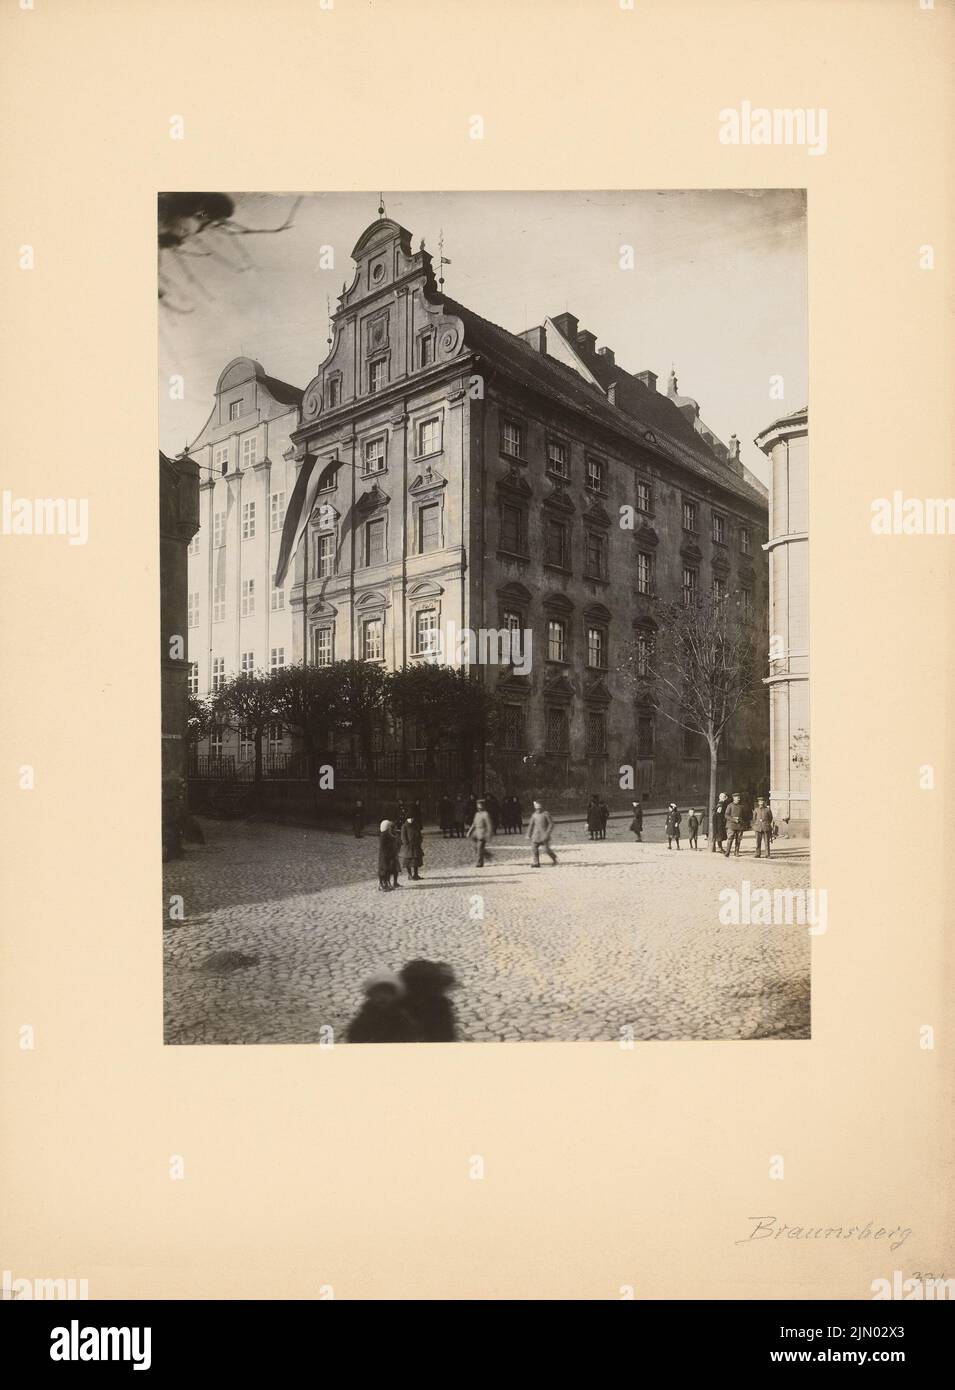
{"type": "Point", "coordinates": [444, 765]}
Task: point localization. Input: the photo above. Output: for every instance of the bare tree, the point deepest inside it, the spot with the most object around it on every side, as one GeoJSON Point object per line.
{"type": "Point", "coordinates": [201, 226]}
{"type": "Point", "coordinates": [699, 668]}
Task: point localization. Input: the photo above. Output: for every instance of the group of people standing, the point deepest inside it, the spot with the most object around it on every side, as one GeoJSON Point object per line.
{"type": "Point", "coordinates": [730, 821]}
{"type": "Point", "coordinates": [456, 814]}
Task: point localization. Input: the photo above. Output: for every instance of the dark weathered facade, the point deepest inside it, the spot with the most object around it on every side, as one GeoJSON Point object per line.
{"type": "Point", "coordinates": [518, 482]}
{"type": "Point", "coordinates": [178, 523]}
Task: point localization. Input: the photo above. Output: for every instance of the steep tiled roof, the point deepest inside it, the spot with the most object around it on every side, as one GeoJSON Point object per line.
{"type": "Point", "coordinates": [636, 408]}
{"type": "Point", "coordinates": [282, 391]}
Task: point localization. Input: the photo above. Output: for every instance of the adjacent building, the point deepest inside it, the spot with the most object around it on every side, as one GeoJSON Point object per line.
{"type": "Point", "coordinates": [178, 522]}
{"type": "Point", "coordinates": [237, 619]}
{"type": "Point", "coordinates": [786, 444]}
{"type": "Point", "coordinates": [489, 480]}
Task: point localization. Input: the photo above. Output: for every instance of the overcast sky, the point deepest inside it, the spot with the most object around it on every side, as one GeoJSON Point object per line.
{"type": "Point", "coordinates": [718, 288]}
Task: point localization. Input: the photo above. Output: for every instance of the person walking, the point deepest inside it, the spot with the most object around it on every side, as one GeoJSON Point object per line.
{"type": "Point", "coordinates": [693, 825]}
{"type": "Point", "coordinates": [718, 834]}
{"type": "Point", "coordinates": [636, 824]}
{"type": "Point", "coordinates": [763, 825]}
{"type": "Point", "coordinates": [387, 858]}
{"type": "Point", "coordinates": [734, 826]}
{"type": "Point", "coordinates": [358, 818]}
{"type": "Point", "coordinates": [673, 825]}
{"type": "Point", "coordinates": [410, 855]}
{"type": "Point", "coordinates": [540, 827]}
{"type": "Point", "coordinates": [481, 830]}
{"type": "Point", "coordinates": [427, 984]}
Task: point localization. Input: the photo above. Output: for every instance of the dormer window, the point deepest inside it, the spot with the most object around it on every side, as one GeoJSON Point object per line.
{"type": "Point", "coordinates": [235, 409]}
{"type": "Point", "coordinates": [333, 392]}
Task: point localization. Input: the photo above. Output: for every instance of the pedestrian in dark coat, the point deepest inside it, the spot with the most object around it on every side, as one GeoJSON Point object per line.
{"type": "Point", "coordinates": [445, 816]}
{"type": "Point", "coordinates": [387, 858]}
{"type": "Point", "coordinates": [763, 825]}
{"type": "Point", "coordinates": [673, 825]}
{"type": "Point", "coordinates": [593, 817]}
{"type": "Point", "coordinates": [427, 984]}
{"type": "Point", "coordinates": [358, 818]}
{"type": "Point", "coordinates": [396, 837]}
{"type": "Point", "coordinates": [735, 824]}
{"type": "Point", "coordinates": [493, 808]}
{"type": "Point", "coordinates": [636, 825]}
{"type": "Point", "coordinates": [719, 823]}
{"type": "Point", "coordinates": [384, 1016]}
{"type": "Point", "coordinates": [471, 808]}
{"type": "Point", "coordinates": [693, 825]}
{"type": "Point", "coordinates": [604, 811]}
{"type": "Point", "coordinates": [410, 855]}
{"type": "Point", "coordinates": [460, 815]}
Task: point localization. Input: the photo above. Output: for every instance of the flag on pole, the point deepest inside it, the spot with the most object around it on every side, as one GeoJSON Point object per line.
{"type": "Point", "coordinates": [308, 484]}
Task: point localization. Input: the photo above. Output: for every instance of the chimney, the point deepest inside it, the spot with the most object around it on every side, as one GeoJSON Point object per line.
{"type": "Point", "coordinates": [607, 355]}
{"type": "Point", "coordinates": [536, 337]}
{"type": "Point", "coordinates": [649, 379]}
{"type": "Point", "coordinates": [587, 342]}
{"type": "Point", "coordinates": [567, 325]}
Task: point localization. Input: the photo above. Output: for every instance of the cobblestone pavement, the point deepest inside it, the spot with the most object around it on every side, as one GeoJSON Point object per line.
{"type": "Point", "coordinates": [282, 924]}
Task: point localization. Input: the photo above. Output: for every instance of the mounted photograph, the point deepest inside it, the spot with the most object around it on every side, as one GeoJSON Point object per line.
{"type": "Point", "coordinates": [485, 651]}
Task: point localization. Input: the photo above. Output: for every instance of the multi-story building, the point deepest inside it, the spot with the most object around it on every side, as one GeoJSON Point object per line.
{"type": "Point", "coordinates": [238, 621]}
{"type": "Point", "coordinates": [518, 481]}
{"type": "Point", "coordinates": [786, 443]}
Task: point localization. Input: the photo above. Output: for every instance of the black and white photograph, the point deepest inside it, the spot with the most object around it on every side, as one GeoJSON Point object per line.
{"type": "Point", "coordinates": [484, 560]}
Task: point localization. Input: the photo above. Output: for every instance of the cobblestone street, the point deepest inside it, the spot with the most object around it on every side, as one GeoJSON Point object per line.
{"type": "Point", "coordinates": [282, 924]}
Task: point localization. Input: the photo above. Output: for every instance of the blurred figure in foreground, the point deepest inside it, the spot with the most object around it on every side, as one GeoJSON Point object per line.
{"type": "Point", "coordinates": [427, 984]}
{"type": "Point", "coordinates": [383, 1017]}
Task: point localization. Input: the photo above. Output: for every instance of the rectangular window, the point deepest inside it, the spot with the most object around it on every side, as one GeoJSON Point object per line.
{"type": "Point", "coordinates": [555, 736]}
{"type": "Point", "coordinates": [220, 458]}
{"type": "Point", "coordinates": [276, 658]}
{"type": "Point", "coordinates": [333, 392]}
{"type": "Point", "coordinates": [557, 458]}
{"type": "Point", "coordinates": [218, 672]}
{"type": "Point", "coordinates": [218, 528]}
{"type": "Point", "coordinates": [512, 727]}
{"type": "Point", "coordinates": [746, 601]}
{"type": "Point", "coordinates": [690, 748]}
{"type": "Point", "coordinates": [596, 647]}
{"type": "Point", "coordinates": [194, 545]}
{"type": "Point", "coordinates": [690, 585]}
{"type": "Point", "coordinates": [246, 745]}
{"type": "Point", "coordinates": [595, 560]}
{"type": "Point", "coordinates": [322, 647]}
{"type": "Point", "coordinates": [512, 529]}
{"type": "Point", "coordinates": [250, 446]}
{"type": "Point", "coordinates": [215, 743]}
{"type": "Point", "coordinates": [719, 529]}
{"type": "Point", "coordinates": [274, 739]}
{"type": "Point", "coordinates": [375, 542]}
{"type": "Point", "coordinates": [745, 540]}
{"type": "Point", "coordinates": [556, 639]}
{"type": "Point", "coordinates": [595, 474]}
{"type": "Point", "coordinates": [276, 511]}
{"type": "Point", "coordinates": [373, 458]}
{"type": "Point", "coordinates": [193, 678]}
{"type": "Point", "coordinates": [429, 527]}
{"type": "Point", "coordinates": [247, 663]}
{"type": "Point", "coordinates": [689, 515]}
{"type": "Point", "coordinates": [511, 621]}
{"type": "Point", "coordinates": [644, 652]}
{"type": "Point", "coordinates": [645, 736]}
{"type": "Point", "coordinates": [426, 350]}
{"type": "Point", "coordinates": [235, 409]}
{"type": "Point", "coordinates": [248, 597]}
{"type": "Point", "coordinates": [719, 588]}
{"type": "Point", "coordinates": [512, 439]}
{"type": "Point", "coordinates": [218, 604]}
{"type": "Point", "coordinates": [377, 374]}
{"type": "Point", "coordinates": [596, 732]}
{"type": "Point", "coordinates": [429, 436]}
{"type": "Point", "coordinates": [426, 632]}
{"type": "Point", "coordinates": [248, 521]}
{"type": "Point", "coordinates": [324, 562]}
{"type": "Point", "coordinates": [644, 496]}
{"type": "Point", "coordinates": [556, 549]}
{"type": "Point", "coordinates": [644, 572]}
{"type": "Point", "coordinates": [277, 599]}
{"type": "Point", "coordinates": [193, 610]}
{"type": "Point", "coordinates": [372, 639]}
